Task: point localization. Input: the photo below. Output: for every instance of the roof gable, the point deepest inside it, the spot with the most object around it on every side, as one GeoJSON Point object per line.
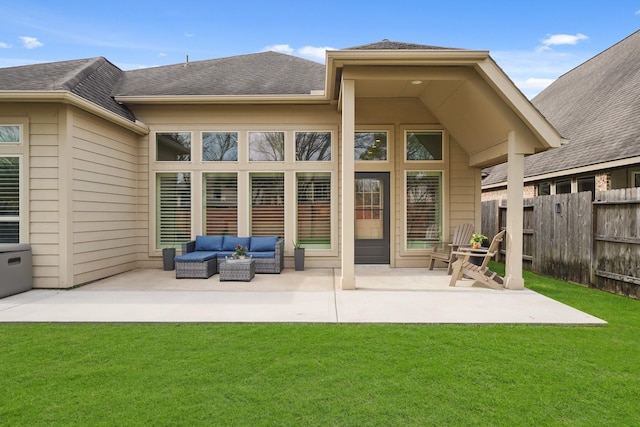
{"type": "Point", "coordinates": [92, 79]}
{"type": "Point", "coordinates": [595, 107]}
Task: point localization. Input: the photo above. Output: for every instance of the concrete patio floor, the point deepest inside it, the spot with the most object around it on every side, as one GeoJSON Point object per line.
{"type": "Point", "coordinates": [383, 295]}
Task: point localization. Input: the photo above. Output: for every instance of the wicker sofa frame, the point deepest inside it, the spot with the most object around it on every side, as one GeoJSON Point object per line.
{"type": "Point", "coordinates": [273, 265]}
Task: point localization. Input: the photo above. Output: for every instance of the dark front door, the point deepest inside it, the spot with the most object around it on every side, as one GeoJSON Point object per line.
{"type": "Point", "coordinates": [372, 218]}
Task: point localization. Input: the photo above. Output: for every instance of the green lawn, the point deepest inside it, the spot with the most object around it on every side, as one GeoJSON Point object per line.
{"type": "Point", "coordinates": [328, 375]}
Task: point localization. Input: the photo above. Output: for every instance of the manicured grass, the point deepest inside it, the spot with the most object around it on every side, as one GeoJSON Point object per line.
{"type": "Point", "coordinates": [324, 375]}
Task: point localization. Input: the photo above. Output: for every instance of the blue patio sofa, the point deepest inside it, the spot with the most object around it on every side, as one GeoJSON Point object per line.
{"type": "Point", "coordinates": [201, 257]}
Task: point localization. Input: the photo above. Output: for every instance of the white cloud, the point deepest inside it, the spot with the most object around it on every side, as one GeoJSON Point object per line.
{"type": "Point", "coordinates": [4, 45]}
{"type": "Point", "coordinates": [637, 12]}
{"type": "Point", "coordinates": [162, 54]}
{"type": "Point", "coordinates": [189, 35]}
{"type": "Point", "coordinates": [30, 42]}
{"type": "Point", "coordinates": [309, 52]}
{"type": "Point", "coordinates": [532, 71]}
{"type": "Point", "coordinates": [314, 52]}
{"type": "Point", "coordinates": [561, 39]}
{"type": "Point", "coordinates": [282, 48]}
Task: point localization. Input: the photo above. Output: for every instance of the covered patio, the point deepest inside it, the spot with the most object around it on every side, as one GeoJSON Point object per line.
{"type": "Point", "coordinates": [384, 295]}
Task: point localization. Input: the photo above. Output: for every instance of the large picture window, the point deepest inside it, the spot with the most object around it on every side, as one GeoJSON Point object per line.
{"type": "Point", "coordinates": [313, 146]}
{"type": "Point", "coordinates": [424, 209]}
{"type": "Point", "coordinates": [313, 226]}
{"type": "Point", "coordinates": [424, 145]}
{"type": "Point", "coordinates": [267, 204]}
{"type": "Point", "coordinates": [9, 199]}
{"type": "Point", "coordinates": [173, 210]}
{"type": "Point", "coordinates": [9, 134]}
{"type": "Point", "coordinates": [370, 145]}
{"type": "Point", "coordinates": [173, 146]}
{"type": "Point", "coordinates": [266, 146]}
{"type": "Point", "coordinates": [219, 146]}
{"type": "Point", "coordinates": [220, 203]}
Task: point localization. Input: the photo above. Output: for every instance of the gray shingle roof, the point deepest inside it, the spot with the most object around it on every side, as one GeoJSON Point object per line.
{"type": "Point", "coordinates": [267, 73]}
{"type": "Point", "coordinates": [595, 106]}
{"type": "Point", "coordinates": [392, 45]}
{"type": "Point", "coordinates": [93, 79]}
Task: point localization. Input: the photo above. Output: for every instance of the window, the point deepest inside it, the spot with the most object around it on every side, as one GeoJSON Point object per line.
{"type": "Point", "coordinates": [587, 183]}
{"type": "Point", "coordinates": [9, 134]}
{"type": "Point", "coordinates": [544, 189]}
{"type": "Point", "coordinates": [9, 199]}
{"type": "Point", "coordinates": [266, 146]}
{"type": "Point", "coordinates": [563, 187]}
{"type": "Point", "coordinates": [313, 146]}
{"type": "Point", "coordinates": [173, 146]}
{"type": "Point", "coordinates": [636, 179]}
{"type": "Point", "coordinates": [424, 145]}
{"type": "Point", "coordinates": [267, 204]}
{"type": "Point", "coordinates": [173, 212]}
{"type": "Point", "coordinates": [220, 203]}
{"type": "Point", "coordinates": [219, 146]}
{"type": "Point", "coordinates": [313, 227]}
{"type": "Point", "coordinates": [370, 145]}
{"type": "Point", "coordinates": [424, 208]}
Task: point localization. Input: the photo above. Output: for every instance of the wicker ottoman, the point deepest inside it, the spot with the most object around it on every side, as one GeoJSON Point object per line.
{"type": "Point", "coordinates": [196, 269]}
{"type": "Point", "coordinates": [239, 271]}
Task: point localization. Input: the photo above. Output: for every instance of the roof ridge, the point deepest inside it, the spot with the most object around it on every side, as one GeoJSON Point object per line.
{"type": "Point", "coordinates": [75, 77]}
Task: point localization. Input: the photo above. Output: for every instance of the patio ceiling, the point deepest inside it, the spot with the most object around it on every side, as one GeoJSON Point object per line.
{"type": "Point", "coordinates": [465, 90]}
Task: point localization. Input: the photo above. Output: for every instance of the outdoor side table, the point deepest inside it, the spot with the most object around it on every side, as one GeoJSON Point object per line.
{"type": "Point", "coordinates": [237, 270]}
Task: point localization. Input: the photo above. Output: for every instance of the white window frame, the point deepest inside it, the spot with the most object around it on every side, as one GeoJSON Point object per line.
{"type": "Point", "coordinates": [405, 233]}
{"type": "Point", "coordinates": [295, 146]}
{"type": "Point", "coordinates": [417, 130]}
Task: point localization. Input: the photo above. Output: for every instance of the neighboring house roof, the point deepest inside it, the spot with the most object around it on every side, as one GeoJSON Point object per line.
{"type": "Point", "coordinates": [267, 73]}
{"type": "Point", "coordinates": [92, 79]}
{"type": "Point", "coordinates": [596, 107]}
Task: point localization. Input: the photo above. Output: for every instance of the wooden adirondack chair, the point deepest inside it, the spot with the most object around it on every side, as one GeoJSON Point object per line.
{"type": "Point", "coordinates": [463, 267]}
{"type": "Point", "coordinates": [461, 236]}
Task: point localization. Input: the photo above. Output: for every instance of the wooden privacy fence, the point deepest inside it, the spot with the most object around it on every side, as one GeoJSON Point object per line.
{"type": "Point", "coordinates": [577, 239]}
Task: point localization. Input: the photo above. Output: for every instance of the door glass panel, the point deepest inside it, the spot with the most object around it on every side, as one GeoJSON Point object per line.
{"type": "Point", "coordinates": [369, 209]}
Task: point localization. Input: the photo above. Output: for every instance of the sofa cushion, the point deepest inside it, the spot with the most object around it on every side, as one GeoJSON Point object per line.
{"type": "Point", "coordinates": [208, 243]}
{"type": "Point", "coordinates": [231, 242]}
{"type": "Point", "coordinates": [197, 256]}
{"type": "Point", "coordinates": [262, 244]}
{"type": "Point", "coordinates": [262, 254]}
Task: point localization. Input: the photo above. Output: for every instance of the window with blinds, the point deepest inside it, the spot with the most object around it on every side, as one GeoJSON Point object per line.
{"type": "Point", "coordinates": [313, 226]}
{"type": "Point", "coordinates": [424, 208]}
{"type": "Point", "coordinates": [267, 204]}
{"type": "Point", "coordinates": [220, 214]}
{"type": "Point", "coordinates": [173, 221]}
{"type": "Point", "coordinates": [9, 199]}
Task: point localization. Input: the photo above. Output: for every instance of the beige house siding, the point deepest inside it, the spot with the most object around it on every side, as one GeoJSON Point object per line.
{"type": "Point", "coordinates": [394, 116]}
{"type": "Point", "coordinates": [41, 173]}
{"type": "Point", "coordinates": [104, 198]}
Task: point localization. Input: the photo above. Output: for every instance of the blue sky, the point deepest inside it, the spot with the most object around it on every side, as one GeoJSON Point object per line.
{"type": "Point", "coordinates": [534, 42]}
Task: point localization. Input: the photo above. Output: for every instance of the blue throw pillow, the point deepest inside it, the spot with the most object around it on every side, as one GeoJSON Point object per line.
{"type": "Point", "coordinates": [263, 244]}
{"type": "Point", "coordinates": [231, 242]}
{"type": "Point", "coordinates": [208, 243]}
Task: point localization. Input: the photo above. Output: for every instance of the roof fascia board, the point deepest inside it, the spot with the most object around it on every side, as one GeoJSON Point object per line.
{"type": "Point", "coordinates": [573, 171]}
{"type": "Point", "coordinates": [534, 120]}
{"type": "Point", "coordinates": [405, 57]}
{"type": "Point", "coordinates": [225, 99]}
{"type": "Point", "coordinates": [67, 97]}
{"type": "Point", "coordinates": [425, 72]}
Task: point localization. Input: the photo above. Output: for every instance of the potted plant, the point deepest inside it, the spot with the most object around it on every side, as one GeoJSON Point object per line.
{"type": "Point", "coordinates": [240, 252]}
{"type": "Point", "coordinates": [477, 239]}
{"type": "Point", "coordinates": [298, 256]}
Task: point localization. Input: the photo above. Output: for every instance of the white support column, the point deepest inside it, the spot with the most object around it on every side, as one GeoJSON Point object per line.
{"type": "Point", "coordinates": [348, 279]}
{"type": "Point", "coordinates": [515, 188]}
